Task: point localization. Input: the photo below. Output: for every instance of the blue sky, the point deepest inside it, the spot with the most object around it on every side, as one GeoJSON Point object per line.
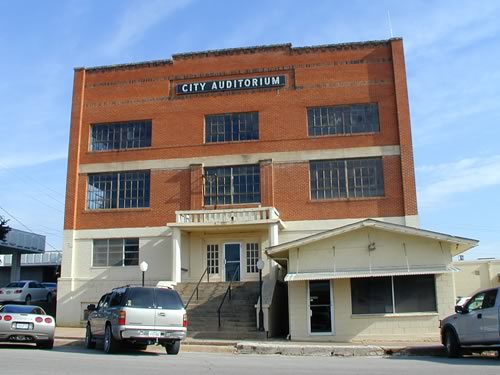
{"type": "Point", "coordinates": [453, 66]}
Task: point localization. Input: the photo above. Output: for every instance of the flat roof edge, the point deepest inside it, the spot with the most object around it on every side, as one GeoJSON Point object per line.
{"type": "Point", "coordinates": [237, 51]}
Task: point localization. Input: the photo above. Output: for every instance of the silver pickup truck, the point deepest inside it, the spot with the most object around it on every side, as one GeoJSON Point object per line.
{"type": "Point", "coordinates": [137, 316]}
{"type": "Point", "coordinates": [475, 326]}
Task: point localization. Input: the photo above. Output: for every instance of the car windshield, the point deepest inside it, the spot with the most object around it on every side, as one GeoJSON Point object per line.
{"type": "Point", "coordinates": [168, 299]}
{"type": "Point", "coordinates": [18, 284]}
{"type": "Point", "coordinates": [22, 309]}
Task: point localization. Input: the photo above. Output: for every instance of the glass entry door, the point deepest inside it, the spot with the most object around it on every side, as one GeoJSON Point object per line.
{"type": "Point", "coordinates": [320, 304]}
{"type": "Point", "coordinates": [232, 261]}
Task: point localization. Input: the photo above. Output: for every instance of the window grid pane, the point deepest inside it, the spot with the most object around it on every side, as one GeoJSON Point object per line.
{"type": "Point", "coordinates": [231, 127]}
{"type": "Point", "coordinates": [115, 252]}
{"type": "Point", "coordinates": [350, 178]}
{"type": "Point", "coordinates": [118, 190]}
{"type": "Point", "coordinates": [232, 185]}
{"type": "Point", "coordinates": [347, 119]}
{"type": "Point", "coordinates": [252, 257]}
{"type": "Point", "coordinates": [213, 259]}
{"type": "Point", "coordinates": [122, 135]}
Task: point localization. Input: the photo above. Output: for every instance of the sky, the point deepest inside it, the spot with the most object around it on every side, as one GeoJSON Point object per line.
{"type": "Point", "coordinates": [452, 53]}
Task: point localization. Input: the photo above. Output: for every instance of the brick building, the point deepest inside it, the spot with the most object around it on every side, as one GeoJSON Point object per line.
{"type": "Point", "coordinates": [214, 160]}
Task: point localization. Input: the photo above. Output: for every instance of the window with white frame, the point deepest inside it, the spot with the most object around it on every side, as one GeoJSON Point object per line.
{"type": "Point", "coordinates": [213, 259]}
{"type": "Point", "coordinates": [343, 119]}
{"type": "Point", "coordinates": [393, 294]}
{"type": "Point", "coordinates": [252, 257]}
{"type": "Point", "coordinates": [118, 190]}
{"type": "Point", "coordinates": [115, 252]}
{"type": "Point", "coordinates": [347, 178]}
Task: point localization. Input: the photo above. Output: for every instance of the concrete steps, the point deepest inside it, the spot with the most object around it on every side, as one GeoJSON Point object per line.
{"type": "Point", "coordinates": [238, 318]}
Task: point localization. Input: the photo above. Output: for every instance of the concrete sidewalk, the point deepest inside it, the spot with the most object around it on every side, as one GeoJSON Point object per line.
{"type": "Point", "coordinates": [282, 347]}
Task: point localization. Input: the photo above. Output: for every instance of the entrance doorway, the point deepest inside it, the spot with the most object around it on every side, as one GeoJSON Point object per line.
{"type": "Point", "coordinates": [232, 258]}
{"type": "Point", "coordinates": [320, 307]}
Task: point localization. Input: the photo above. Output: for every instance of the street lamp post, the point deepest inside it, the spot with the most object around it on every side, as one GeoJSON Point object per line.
{"type": "Point", "coordinates": [260, 266]}
{"type": "Point", "coordinates": [144, 267]}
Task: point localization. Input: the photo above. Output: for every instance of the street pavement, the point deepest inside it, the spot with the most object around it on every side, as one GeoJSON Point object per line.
{"type": "Point", "coordinates": [75, 359]}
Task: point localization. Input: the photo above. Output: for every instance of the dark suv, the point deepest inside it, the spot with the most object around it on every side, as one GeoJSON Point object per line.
{"type": "Point", "coordinates": [138, 316]}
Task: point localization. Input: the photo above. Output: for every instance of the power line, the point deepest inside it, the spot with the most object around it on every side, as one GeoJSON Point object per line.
{"type": "Point", "coordinates": [25, 226]}
{"type": "Point", "coordinates": [33, 181]}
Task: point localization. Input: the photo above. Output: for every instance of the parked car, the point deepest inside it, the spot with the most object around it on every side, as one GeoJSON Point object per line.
{"type": "Point", "coordinates": [51, 286]}
{"type": "Point", "coordinates": [27, 324]}
{"type": "Point", "coordinates": [475, 326]}
{"type": "Point", "coordinates": [138, 316]}
{"type": "Point", "coordinates": [25, 291]}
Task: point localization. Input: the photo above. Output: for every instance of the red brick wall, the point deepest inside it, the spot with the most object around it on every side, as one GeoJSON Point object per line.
{"type": "Point", "coordinates": [372, 72]}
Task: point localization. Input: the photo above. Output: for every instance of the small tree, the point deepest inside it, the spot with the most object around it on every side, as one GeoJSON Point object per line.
{"type": "Point", "coordinates": [4, 228]}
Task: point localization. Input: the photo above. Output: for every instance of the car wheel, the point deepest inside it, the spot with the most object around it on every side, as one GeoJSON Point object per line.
{"type": "Point", "coordinates": [46, 344]}
{"type": "Point", "coordinates": [49, 297]}
{"type": "Point", "coordinates": [27, 300]}
{"type": "Point", "coordinates": [89, 341]}
{"type": "Point", "coordinates": [451, 344]}
{"type": "Point", "coordinates": [110, 343]}
{"type": "Point", "coordinates": [173, 348]}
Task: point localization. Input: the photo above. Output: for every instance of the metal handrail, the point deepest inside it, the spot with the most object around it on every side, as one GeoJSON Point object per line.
{"type": "Point", "coordinates": [197, 286]}
{"type": "Point", "coordinates": [228, 290]}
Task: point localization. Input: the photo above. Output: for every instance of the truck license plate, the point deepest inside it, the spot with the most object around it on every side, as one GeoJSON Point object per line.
{"type": "Point", "coordinates": [154, 333]}
{"type": "Point", "coordinates": [22, 326]}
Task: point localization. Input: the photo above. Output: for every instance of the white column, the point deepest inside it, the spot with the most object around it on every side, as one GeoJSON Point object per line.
{"type": "Point", "coordinates": [273, 234]}
{"type": "Point", "coordinates": [176, 255]}
{"type": "Point", "coordinates": [15, 268]}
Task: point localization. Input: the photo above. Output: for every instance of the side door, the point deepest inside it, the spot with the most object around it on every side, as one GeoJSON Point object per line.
{"type": "Point", "coordinates": [491, 316]}
{"type": "Point", "coordinates": [41, 292]}
{"type": "Point", "coordinates": [471, 321]}
{"type": "Point", "coordinates": [98, 320]}
{"type": "Point", "coordinates": [33, 291]}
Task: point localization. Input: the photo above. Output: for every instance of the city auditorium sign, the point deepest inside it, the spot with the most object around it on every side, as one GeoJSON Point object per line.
{"type": "Point", "coordinates": [230, 84]}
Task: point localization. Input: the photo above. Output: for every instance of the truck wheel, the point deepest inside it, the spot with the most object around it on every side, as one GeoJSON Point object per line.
{"type": "Point", "coordinates": [173, 348]}
{"type": "Point", "coordinates": [110, 343]}
{"type": "Point", "coordinates": [89, 341]}
{"type": "Point", "coordinates": [451, 344]}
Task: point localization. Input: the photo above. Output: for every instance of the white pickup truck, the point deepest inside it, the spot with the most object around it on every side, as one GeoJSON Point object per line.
{"type": "Point", "coordinates": [475, 326]}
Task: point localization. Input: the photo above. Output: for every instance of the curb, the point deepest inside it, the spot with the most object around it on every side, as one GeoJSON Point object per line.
{"type": "Point", "coordinates": [292, 349]}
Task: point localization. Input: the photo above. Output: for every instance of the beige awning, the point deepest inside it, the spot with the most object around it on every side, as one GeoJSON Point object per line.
{"type": "Point", "coordinates": [379, 272]}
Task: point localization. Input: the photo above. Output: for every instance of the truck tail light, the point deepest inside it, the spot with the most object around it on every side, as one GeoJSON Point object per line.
{"type": "Point", "coordinates": [185, 321]}
{"type": "Point", "coordinates": [122, 317]}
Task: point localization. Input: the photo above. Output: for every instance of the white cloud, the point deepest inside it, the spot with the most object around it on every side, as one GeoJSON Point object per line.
{"type": "Point", "coordinates": [137, 20]}
{"type": "Point", "coordinates": [449, 179]}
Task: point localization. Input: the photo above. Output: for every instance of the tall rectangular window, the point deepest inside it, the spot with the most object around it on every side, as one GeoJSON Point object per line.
{"type": "Point", "coordinates": [343, 119]}
{"type": "Point", "coordinates": [118, 190]}
{"type": "Point", "coordinates": [115, 252]}
{"type": "Point", "coordinates": [121, 135]}
{"type": "Point", "coordinates": [252, 257]}
{"type": "Point", "coordinates": [213, 259]}
{"type": "Point", "coordinates": [232, 185]}
{"type": "Point", "coordinates": [393, 294]}
{"type": "Point", "coordinates": [346, 178]}
{"type": "Point", "coordinates": [232, 127]}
